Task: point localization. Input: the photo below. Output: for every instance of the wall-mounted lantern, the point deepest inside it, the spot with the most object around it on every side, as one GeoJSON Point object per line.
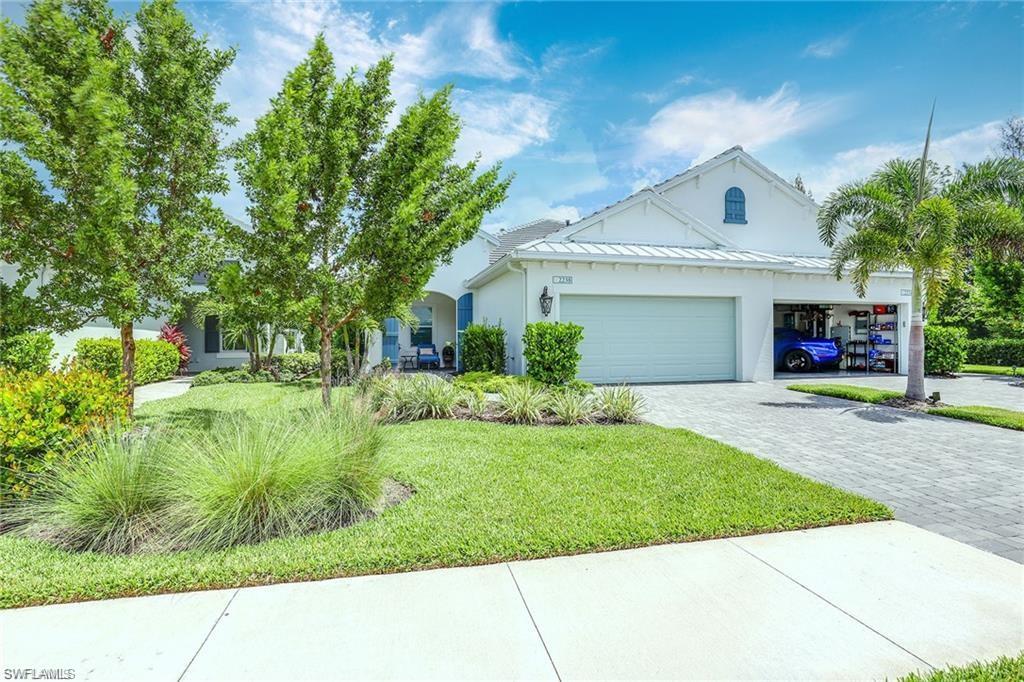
{"type": "Point", "coordinates": [545, 302]}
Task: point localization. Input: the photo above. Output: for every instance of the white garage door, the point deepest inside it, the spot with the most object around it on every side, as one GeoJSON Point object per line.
{"type": "Point", "coordinates": [651, 338]}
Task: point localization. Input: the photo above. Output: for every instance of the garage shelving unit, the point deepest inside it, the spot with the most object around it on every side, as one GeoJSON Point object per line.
{"type": "Point", "coordinates": [877, 356]}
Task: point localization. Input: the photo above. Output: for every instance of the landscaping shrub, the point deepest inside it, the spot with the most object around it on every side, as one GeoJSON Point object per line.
{"type": "Point", "coordinates": [483, 348]}
{"type": "Point", "coordinates": [551, 351]}
{"type": "Point", "coordinates": [105, 500]}
{"type": "Point", "coordinates": [488, 382]}
{"type": "Point", "coordinates": [28, 352]}
{"type": "Point", "coordinates": [945, 349]}
{"type": "Point", "coordinates": [523, 402]}
{"type": "Point", "coordinates": [298, 363]}
{"type": "Point", "coordinates": [208, 378]}
{"type": "Point", "coordinates": [212, 377]}
{"type": "Point", "coordinates": [571, 407]}
{"type": "Point", "coordinates": [250, 479]}
{"type": "Point", "coordinates": [620, 404]}
{"type": "Point", "coordinates": [173, 334]}
{"type": "Point", "coordinates": [43, 416]}
{"type": "Point", "coordinates": [1004, 352]}
{"type": "Point", "coordinates": [155, 360]}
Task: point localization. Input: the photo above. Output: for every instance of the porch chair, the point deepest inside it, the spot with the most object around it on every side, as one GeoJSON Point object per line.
{"type": "Point", "coordinates": [426, 355]}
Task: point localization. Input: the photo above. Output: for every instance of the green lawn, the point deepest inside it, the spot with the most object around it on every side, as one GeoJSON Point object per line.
{"type": "Point", "coordinates": [991, 369]}
{"type": "Point", "coordinates": [485, 492]}
{"type": "Point", "coordinates": [862, 394]}
{"type": "Point", "coordinates": [1003, 669]}
{"type": "Point", "coordinates": [993, 416]}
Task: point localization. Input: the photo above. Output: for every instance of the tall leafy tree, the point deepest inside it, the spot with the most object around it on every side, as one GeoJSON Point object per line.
{"type": "Point", "coordinates": [247, 312]}
{"type": "Point", "coordinates": [910, 214]}
{"type": "Point", "coordinates": [127, 128]}
{"type": "Point", "coordinates": [349, 218]}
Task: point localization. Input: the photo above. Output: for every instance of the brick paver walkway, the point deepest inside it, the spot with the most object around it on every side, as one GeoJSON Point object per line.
{"type": "Point", "coordinates": [960, 479]}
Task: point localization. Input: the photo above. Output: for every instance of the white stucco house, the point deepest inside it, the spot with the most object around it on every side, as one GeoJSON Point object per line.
{"type": "Point", "coordinates": [683, 281]}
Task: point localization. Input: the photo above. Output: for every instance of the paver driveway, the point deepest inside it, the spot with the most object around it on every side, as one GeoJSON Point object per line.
{"type": "Point", "coordinates": [960, 479]}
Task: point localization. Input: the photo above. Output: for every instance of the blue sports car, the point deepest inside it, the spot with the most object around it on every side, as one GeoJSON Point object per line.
{"type": "Point", "coordinates": [798, 352]}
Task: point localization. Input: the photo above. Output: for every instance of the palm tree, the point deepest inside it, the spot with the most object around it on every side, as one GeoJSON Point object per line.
{"type": "Point", "coordinates": [912, 214]}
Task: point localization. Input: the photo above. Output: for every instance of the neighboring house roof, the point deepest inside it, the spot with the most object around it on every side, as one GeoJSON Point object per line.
{"type": "Point", "coordinates": [523, 234]}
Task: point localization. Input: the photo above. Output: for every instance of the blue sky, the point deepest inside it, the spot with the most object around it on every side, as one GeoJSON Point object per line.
{"type": "Point", "coordinates": [587, 102]}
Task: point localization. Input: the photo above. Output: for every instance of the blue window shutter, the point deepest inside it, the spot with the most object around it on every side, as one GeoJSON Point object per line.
{"type": "Point", "coordinates": [390, 340]}
{"type": "Point", "coordinates": [463, 318]}
{"type": "Point", "coordinates": [464, 311]}
{"type": "Point", "coordinates": [735, 206]}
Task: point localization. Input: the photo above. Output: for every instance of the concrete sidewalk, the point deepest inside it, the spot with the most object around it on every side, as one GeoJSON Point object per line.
{"type": "Point", "coordinates": [863, 601]}
{"type": "Point", "coordinates": [171, 388]}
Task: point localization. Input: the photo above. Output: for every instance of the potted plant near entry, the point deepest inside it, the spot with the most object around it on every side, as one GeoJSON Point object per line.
{"type": "Point", "coordinates": [448, 353]}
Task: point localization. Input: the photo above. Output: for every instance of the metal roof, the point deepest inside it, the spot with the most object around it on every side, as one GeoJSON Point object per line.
{"type": "Point", "coordinates": [651, 251]}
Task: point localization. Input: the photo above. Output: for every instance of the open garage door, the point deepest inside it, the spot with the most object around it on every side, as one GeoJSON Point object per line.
{"type": "Point", "coordinates": [652, 338]}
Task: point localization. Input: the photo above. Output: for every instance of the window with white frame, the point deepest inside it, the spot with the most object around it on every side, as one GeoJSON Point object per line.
{"type": "Point", "coordinates": [424, 333]}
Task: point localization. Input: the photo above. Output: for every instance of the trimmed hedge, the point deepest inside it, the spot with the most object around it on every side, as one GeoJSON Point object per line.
{"type": "Point", "coordinates": [42, 416]}
{"type": "Point", "coordinates": [213, 377]}
{"type": "Point", "coordinates": [154, 360]}
{"type": "Point", "coordinates": [1002, 352]}
{"type": "Point", "coordinates": [298, 363]}
{"type": "Point", "coordinates": [552, 352]}
{"type": "Point", "coordinates": [945, 349]}
{"type": "Point", "coordinates": [28, 352]}
{"type": "Point", "coordinates": [483, 348]}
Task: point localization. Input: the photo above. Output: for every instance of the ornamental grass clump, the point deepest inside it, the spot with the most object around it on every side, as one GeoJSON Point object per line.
{"type": "Point", "coordinates": [523, 403]}
{"type": "Point", "coordinates": [620, 404]}
{"type": "Point", "coordinates": [571, 407]}
{"type": "Point", "coordinates": [410, 398]}
{"type": "Point", "coordinates": [475, 403]}
{"type": "Point", "coordinates": [244, 479]}
{"type": "Point", "coordinates": [248, 479]}
{"type": "Point", "coordinates": [107, 498]}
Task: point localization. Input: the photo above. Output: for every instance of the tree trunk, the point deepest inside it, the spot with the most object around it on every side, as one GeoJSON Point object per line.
{"type": "Point", "coordinates": [915, 353]}
{"type": "Point", "coordinates": [325, 365]}
{"type": "Point", "coordinates": [128, 365]}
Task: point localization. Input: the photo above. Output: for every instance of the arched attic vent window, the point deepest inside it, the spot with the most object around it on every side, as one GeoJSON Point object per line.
{"type": "Point", "coordinates": [735, 206]}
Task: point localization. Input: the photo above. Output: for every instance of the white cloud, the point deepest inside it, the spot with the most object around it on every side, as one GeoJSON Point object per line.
{"type": "Point", "coordinates": [967, 146]}
{"type": "Point", "coordinates": [500, 124]}
{"type": "Point", "coordinates": [700, 126]}
{"type": "Point", "coordinates": [827, 48]}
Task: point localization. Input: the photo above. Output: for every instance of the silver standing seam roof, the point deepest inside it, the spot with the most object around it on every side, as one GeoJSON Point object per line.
{"type": "Point", "coordinates": [652, 251]}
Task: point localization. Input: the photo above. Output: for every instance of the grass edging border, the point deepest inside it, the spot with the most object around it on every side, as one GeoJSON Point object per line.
{"type": "Point", "coordinates": [980, 414]}
{"type": "Point", "coordinates": [320, 577]}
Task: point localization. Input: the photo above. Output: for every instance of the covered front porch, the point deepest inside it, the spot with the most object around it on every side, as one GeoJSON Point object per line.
{"type": "Point", "coordinates": [441, 320]}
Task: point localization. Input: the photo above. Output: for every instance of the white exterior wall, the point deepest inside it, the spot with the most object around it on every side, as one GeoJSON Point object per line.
{"type": "Point", "coordinates": [754, 291]}
{"type": "Point", "coordinates": [777, 221]}
{"type": "Point", "coordinates": [642, 223]}
{"type": "Point", "coordinates": [501, 301]}
{"type": "Point", "coordinates": [751, 289]}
